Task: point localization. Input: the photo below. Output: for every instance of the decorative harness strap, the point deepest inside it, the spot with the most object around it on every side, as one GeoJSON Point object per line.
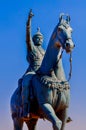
{"type": "Point", "coordinates": [52, 83]}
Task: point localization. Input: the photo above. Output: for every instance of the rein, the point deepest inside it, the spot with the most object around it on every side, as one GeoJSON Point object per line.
{"type": "Point", "coordinates": [70, 60]}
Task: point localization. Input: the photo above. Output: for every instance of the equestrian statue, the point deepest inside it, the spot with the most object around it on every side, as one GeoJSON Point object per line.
{"type": "Point", "coordinates": [43, 91]}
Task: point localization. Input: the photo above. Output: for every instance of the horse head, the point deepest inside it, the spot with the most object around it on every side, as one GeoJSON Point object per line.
{"type": "Point", "coordinates": [64, 33]}
{"type": "Point", "coordinates": [61, 38]}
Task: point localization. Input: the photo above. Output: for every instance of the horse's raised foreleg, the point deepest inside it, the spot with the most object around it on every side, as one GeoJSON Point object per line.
{"type": "Point", "coordinates": [18, 124]}
{"type": "Point", "coordinates": [31, 124]}
{"type": "Point", "coordinates": [42, 93]}
{"type": "Point", "coordinates": [51, 116]}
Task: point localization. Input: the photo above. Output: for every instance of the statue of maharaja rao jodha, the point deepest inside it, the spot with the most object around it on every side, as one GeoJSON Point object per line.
{"type": "Point", "coordinates": [43, 91]}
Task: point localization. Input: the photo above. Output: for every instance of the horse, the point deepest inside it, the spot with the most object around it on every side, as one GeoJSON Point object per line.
{"type": "Point", "coordinates": [50, 86]}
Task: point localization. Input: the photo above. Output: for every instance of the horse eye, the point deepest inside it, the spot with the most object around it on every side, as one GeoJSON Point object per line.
{"type": "Point", "coordinates": [59, 29]}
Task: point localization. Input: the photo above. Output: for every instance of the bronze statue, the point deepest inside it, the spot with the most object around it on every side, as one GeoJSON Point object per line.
{"type": "Point", "coordinates": [49, 89]}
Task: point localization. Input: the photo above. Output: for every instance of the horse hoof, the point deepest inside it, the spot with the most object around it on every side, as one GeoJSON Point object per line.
{"type": "Point", "coordinates": [58, 125]}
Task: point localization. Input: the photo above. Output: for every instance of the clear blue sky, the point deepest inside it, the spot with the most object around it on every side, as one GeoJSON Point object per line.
{"type": "Point", "coordinates": [13, 16]}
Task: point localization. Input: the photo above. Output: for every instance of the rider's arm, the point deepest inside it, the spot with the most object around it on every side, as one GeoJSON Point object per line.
{"type": "Point", "coordinates": [29, 41]}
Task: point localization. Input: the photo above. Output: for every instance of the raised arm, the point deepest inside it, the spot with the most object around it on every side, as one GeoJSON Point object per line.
{"type": "Point", "coordinates": [28, 31]}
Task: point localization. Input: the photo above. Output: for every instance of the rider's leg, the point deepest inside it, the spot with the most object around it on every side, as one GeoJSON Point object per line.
{"type": "Point", "coordinates": [25, 92]}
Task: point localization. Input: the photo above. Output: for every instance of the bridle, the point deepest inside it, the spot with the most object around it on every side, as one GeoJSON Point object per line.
{"type": "Point", "coordinates": [70, 72]}
{"type": "Point", "coordinates": [70, 58]}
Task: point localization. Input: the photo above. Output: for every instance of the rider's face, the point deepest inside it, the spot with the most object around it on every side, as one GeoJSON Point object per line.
{"type": "Point", "coordinates": [38, 41]}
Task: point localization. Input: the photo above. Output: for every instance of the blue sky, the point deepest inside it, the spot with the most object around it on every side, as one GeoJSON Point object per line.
{"type": "Point", "coordinates": [13, 17]}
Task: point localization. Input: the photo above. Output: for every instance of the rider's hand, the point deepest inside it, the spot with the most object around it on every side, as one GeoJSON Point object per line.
{"type": "Point", "coordinates": [30, 14]}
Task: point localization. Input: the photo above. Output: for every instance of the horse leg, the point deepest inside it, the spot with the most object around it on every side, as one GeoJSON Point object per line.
{"type": "Point", "coordinates": [31, 124]}
{"type": "Point", "coordinates": [63, 117]}
{"type": "Point", "coordinates": [51, 116]}
{"type": "Point", "coordinates": [41, 93]}
{"type": "Point", "coordinates": [18, 124]}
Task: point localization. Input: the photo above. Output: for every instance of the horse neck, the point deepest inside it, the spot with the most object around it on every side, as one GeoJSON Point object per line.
{"type": "Point", "coordinates": [51, 54]}
{"type": "Point", "coordinates": [58, 70]}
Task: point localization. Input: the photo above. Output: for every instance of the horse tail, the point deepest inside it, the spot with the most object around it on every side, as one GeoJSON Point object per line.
{"type": "Point", "coordinates": [15, 102]}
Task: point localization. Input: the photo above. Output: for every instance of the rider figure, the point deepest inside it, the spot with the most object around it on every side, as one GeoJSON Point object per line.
{"type": "Point", "coordinates": [35, 54]}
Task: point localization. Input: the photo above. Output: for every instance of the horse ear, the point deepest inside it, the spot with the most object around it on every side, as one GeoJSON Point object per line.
{"type": "Point", "coordinates": [61, 17]}
{"type": "Point", "coordinates": [68, 19]}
